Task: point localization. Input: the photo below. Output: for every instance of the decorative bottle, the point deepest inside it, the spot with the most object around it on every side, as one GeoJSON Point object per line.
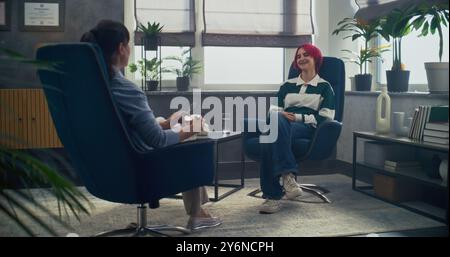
{"type": "Point", "coordinates": [383, 122]}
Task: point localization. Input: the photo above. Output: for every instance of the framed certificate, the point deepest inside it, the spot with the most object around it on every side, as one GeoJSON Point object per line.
{"type": "Point", "coordinates": [42, 15]}
{"type": "Point", "coordinates": [5, 15]}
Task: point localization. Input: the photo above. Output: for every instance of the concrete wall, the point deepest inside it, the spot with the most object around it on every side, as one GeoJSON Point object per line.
{"type": "Point", "coordinates": [80, 16]}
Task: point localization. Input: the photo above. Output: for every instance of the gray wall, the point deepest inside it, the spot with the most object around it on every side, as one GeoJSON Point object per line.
{"type": "Point", "coordinates": [80, 16]}
{"type": "Point", "coordinates": [359, 115]}
{"type": "Point", "coordinates": [160, 103]}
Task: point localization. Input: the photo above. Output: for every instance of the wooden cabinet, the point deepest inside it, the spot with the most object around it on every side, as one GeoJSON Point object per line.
{"type": "Point", "coordinates": [25, 122]}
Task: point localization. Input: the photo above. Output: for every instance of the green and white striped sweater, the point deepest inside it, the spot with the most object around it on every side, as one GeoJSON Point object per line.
{"type": "Point", "coordinates": [312, 102]}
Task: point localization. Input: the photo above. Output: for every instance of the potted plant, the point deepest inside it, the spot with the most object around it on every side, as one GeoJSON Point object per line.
{"type": "Point", "coordinates": [363, 82]}
{"type": "Point", "coordinates": [150, 71]}
{"type": "Point", "coordinates": [189, 67]}
{"type": "Point", "coordinates": [21, 206]}
{"type": "Point", "coordinates": [151, 33]}
{"type": "Point", "coordinates": [430, 19]}
{"type": "Point", "coordinates": [367, 31]}
{"type": "Point", "coordinates": [396, 25]}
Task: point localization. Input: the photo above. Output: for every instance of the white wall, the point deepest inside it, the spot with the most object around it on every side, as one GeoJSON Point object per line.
{"type": "Point", "coordinates": [339, 10]}
{"type": "Point", "coordinates": [327, 13]}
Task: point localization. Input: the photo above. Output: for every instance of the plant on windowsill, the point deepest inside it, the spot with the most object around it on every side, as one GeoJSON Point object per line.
{"type": "Point", "coordinates": [432, 18]}
{"type": "Point", "coordinates": [396, 25]}
{"type": "Point", "coordinates": [363, 81]}
{"type": "Point", "coordinates": [151, 34]}
{"type": "Point", "coordinates": [150, 71]}
{"type": "Point", "coordinates": [20, 206]}
{"type": "Point", "coordinates": [366, 30]}
{"type": "Point", "coordinates": [189, 67]}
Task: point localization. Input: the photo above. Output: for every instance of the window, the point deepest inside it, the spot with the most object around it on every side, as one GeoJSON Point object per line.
{"type": "Point", "coordinates": [415, 52]}
{"type": "Point", "coordinates": [165, 52]}
{"type": "Point", "coordinates": [243, 65]}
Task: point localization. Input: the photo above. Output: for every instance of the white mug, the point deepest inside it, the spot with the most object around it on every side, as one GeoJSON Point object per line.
{"type": "Point", "coordinates": [399, 126]}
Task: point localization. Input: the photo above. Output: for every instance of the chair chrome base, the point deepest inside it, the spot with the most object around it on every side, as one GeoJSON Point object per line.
{"type": "Point", "coordinates": [316, 190]}
{"type": "Point", "coordinates": [310, 188]}
{"type": "Point", "coordinates": [141, 229]}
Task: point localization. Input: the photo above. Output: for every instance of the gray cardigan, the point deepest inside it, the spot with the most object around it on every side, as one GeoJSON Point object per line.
{"type": "Point", "coordinates": [146, 133]}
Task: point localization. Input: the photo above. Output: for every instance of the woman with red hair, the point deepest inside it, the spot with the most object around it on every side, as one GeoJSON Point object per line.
{"type": "Point", "coordinates": [303, 103]}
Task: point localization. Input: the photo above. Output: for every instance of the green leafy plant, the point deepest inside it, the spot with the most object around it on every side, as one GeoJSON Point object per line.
{"type": "Point", "coordinates": [21, 206]}
{"type": "Point", "coordinates": [152, 29]}
{"type": "Point", "coordinates": [365, 56]}
{"type": "Point", "coordinates": [396, 25]}
{"type": "Point", "coordinates": [432, 18]}
{"type": "Point", "coordinates": [148, 68]}
{"type": "Point", "coordinates": [365, 30]}
{"type": "Point", "coordinates": [189, 66]}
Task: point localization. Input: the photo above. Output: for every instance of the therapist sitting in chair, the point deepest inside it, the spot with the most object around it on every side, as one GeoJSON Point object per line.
{"type": "Point", "coordinates": [146, 132]}
{"type": "Point", "coordinates": [303, 103]}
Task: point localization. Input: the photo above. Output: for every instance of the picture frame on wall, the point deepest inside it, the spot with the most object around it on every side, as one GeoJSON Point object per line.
{"type": "Point", "coordinates": [41, 15]}
{"type": "Point", "coordinates": [5, 15]}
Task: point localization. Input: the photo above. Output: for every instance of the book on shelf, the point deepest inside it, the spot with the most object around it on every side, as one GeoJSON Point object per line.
{"type": "Point", "coordinates": [435, 140]}
{"type": "Point", "coordinates": [413, 123]}
{"type": "Point", "coordinates": [440, 126]}
{"type": "Point", "coordinates": [406, 169]}
{"type": "Point", "coordinates": [435, 133]}
{"type": "Point", "coordinates": [402, 164]}
{"type": "Point", "coordinates": [439, 114]}
{"type": "Point", "coordinates": [425, 115]}
{"type": "Point", "coordinates": [419, 120]}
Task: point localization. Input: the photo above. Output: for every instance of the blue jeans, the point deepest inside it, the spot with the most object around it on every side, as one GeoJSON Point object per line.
{"type": "Point", "coordinates": [278, 158]}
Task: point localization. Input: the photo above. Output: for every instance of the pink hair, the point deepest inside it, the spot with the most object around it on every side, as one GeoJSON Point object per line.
{"type": "Point", "coordinates": [314, 52]}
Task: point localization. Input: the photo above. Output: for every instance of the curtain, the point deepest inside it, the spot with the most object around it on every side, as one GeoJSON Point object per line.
{"type": "Point", "coordinates": [372, 9]}
{"type": "Point", "coordinates": [177, 16]}
{"type": "Point", "coordinates": [262, 23]}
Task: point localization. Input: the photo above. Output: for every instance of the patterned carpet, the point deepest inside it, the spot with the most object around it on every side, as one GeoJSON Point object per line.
{"type": "Point", "coordinates": [350, 213]}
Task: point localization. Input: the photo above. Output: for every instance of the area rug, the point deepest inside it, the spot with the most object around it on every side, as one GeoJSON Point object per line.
{"type": "Point", "coordinates": [350, 213]}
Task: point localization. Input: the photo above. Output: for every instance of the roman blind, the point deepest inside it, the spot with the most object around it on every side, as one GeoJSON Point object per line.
{"type": "Point", "coordinates": [372, 9]}
{"type": "Point", "coordinates": [261, 23]}
{"type": "Point", "coordinates": [177, 16]}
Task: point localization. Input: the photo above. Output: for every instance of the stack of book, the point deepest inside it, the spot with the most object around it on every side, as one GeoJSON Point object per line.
{"type": "Point", "coordinates": [426, 115]}
{"type": "Point", "coordinates": [396, 166]}
{"type": "Point", "coordinates": [436, 133]}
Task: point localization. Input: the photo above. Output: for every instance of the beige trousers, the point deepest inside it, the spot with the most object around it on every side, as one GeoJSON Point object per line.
{"type": "Point", "coordinates": [194, 199]}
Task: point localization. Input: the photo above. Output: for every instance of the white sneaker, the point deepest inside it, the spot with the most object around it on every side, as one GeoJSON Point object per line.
{"type": "Point", "coordinates": [270, 206]}
{"type": "Point", "coordinates": [291, 188]}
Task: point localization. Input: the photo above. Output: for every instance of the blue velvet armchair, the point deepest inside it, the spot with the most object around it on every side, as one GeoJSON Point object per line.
{"type": "Point", "coordinates": [322, 144]}
{"type": "Point", "coordinates": [98, 144]}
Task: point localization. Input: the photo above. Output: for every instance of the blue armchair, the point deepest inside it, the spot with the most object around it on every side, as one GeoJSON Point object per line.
{"type": "Point", "coordinates": [322, 144]}
{"type": "Point", "coordinates": [98, 144]}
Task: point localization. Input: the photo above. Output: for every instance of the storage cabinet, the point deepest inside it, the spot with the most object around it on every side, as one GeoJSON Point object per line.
{"type": "Point", "coordinates": [411, 189]}
{"type": "Point", "coordinates": [25, 122]}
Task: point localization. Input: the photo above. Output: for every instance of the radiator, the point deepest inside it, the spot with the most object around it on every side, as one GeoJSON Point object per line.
{"type": "Point", "coordinates": [25, 122]}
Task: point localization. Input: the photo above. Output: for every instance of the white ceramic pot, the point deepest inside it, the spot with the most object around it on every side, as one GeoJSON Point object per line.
{"type": "Point", "coordinates": [352, 83]}
{"type": "Point", "coordinates": [437, 75]}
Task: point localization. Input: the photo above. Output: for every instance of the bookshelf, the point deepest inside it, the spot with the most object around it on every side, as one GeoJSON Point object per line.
{"type": "Point", "coordinates": [366, 179]}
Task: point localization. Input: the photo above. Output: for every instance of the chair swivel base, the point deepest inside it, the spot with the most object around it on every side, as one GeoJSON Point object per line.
{"type": "Point", "coordinates": [310, 188]}
{"type": "Point", "coordinates": [316, 190]}
{"type": "Point", "coordinates": [141, 229]}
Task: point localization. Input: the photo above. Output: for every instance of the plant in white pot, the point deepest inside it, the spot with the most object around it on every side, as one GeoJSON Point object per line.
{"type": "Point", "coordinates": [432, 19]}
{"type": "Point", "coordinates": [367, 30]}
{"type": "Point", "coordinates": [396, 25]}
{"type": "Point", "coordinates": [187, 67]}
